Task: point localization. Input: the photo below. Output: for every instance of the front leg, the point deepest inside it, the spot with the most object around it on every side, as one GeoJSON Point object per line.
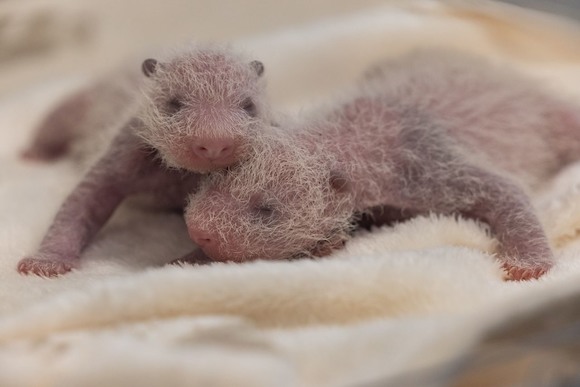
{"type": "Point", "coordinates": [88, 207]}
{"type": "Point", "coordinates": [524, 250]}
{"type": "Point", "coordinates": [80, 217]}
{"type": "Point", "coordinates": [430, 177]}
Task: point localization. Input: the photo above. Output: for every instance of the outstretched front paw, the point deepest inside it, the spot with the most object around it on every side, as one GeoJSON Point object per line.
{"type": "Point", "coordinates": [524, 273]}
{"type": "Point", "coordinates": [45, 267]}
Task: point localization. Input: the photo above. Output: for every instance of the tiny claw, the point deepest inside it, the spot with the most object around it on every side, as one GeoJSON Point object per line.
{"type": "Point", "coordinates": [44, 267]}
{"type": "Point", "coordinates": [196, 257]}
{"type": "Point", "coordinates": [515, 273]}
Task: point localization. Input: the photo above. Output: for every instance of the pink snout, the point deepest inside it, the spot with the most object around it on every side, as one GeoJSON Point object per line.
{"type": "Point", "coordinates": [201, 238]}
{"type": "Point", "coordinates": [209, 243]}
{"type": "Point", "coordinates": [214, 149]}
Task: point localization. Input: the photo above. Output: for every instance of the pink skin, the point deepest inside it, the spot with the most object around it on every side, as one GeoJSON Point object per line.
{"type": "Point", "coordinates": [219, 98]}
{"type": "Point", "coordinates": [209, 154]}
{"type": "Point", "coordinates": [429, 134]}
{"type": "Point", "coordinates": [137, 159]}
{"type": "Point", "coordinates": [220, 150]}
{"type": "Point", "coordinates": [420, 183]}
{"type": "Point", "coordinates": [128, 168]}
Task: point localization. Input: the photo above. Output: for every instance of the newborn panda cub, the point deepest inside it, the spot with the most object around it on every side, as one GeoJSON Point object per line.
{"type": "Point", "coordinates": [432, 131]}
{"type": "Point", "coordinates": [200, 112]}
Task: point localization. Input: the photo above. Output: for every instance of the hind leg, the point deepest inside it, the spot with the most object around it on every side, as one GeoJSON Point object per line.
{"type": "Point", "coordinates": [56, 133]}
{"type": "Point", "coordinates": [565, 134]}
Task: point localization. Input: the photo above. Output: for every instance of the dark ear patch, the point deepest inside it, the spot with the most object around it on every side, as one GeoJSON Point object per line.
{"type": "Point", "coordinates": [149, 66]}
{"type": "Point", "coordinates": [339, 182]}
{"type": "Point", "coordinates": [258, 67]}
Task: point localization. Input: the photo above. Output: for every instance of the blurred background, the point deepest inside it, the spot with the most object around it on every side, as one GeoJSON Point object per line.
{"type": "Point", "coordinates": [66, 35]}
{"type": "Point", "coordinates": [56, 43]}
{"type": "Point", "coordinates": [42, 38]}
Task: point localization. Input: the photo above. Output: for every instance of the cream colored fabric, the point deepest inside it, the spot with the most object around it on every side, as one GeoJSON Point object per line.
{"type": "Point", "coordinates": [394, 301]}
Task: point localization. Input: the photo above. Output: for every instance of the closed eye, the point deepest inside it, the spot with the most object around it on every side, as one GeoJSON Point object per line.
{"type": "Point", "coordinates": [174, 105]}
{"type": "Point", "coordinates": [266, 210]}
{"type": "Point", "coordinates": [265, 213]}
{"type": "Point", "coordinates": [249, 107]}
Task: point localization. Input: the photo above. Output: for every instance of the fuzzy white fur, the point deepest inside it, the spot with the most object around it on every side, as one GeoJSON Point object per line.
{"type": "Point", "coordinates": [212, 84]}
{"type": "Point", "coordinates": [394, 301]}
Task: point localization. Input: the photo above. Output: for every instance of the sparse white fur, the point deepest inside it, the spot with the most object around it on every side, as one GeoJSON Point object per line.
{"type": "Point", "coordinates": [301, 193]}
{"type": "Point", "coordinates": [200, 112]}
{"type": "Point", "coordinates": [432, 131]}
{"type": "Point", "coordinates": [211, 82]}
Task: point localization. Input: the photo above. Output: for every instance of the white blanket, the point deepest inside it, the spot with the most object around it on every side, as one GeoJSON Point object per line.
{"type": "Point", "coordinates": [395, 300]}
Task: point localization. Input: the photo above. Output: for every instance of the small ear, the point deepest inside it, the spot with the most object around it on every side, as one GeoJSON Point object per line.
{"type": "Point", "coordinates": [258, 67]}
{"type": "Point", "coordinates": [149, 66]}
{"type": "Point", "coordinates": [339, 182]}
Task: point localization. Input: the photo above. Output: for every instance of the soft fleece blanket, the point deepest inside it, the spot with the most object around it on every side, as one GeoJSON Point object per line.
{"type": "Point", "coordinates": [415, 304]}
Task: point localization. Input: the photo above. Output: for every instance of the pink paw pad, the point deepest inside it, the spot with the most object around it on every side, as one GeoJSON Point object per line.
{"type": "Point", "coordinates": [515, 273]}
{"type": "Point", "coordinates": [44, 267]}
